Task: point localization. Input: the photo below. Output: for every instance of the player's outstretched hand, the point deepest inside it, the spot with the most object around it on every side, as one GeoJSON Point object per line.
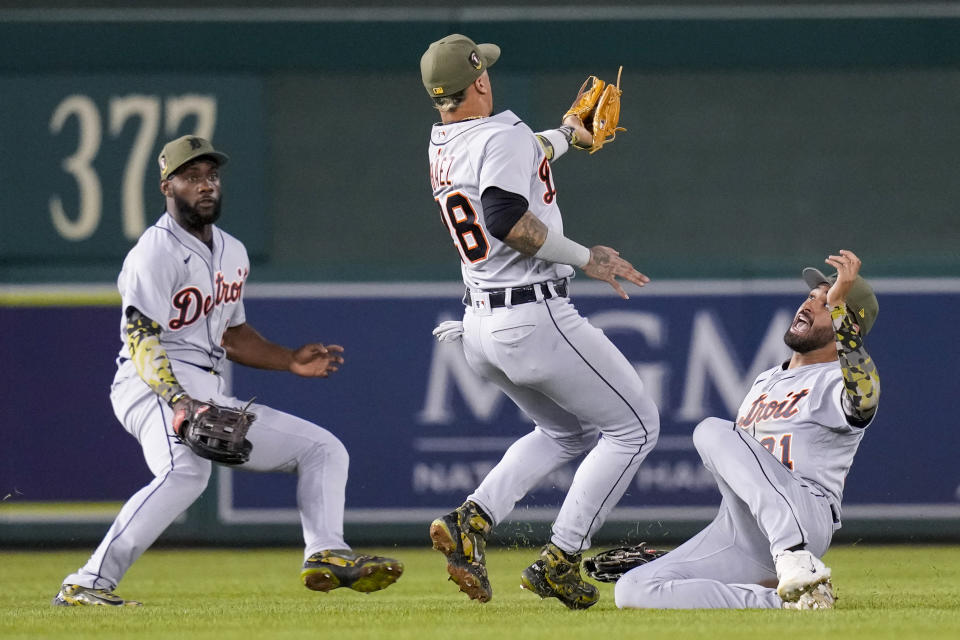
{"type": "Point", "coordinates": [607, 265]}
{"type": "Point", "coordinates": [847, 265]}
{"type": "Point", "coordinates": [316, 360]}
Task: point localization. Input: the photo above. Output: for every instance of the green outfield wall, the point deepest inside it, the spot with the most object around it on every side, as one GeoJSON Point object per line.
{"type": "Point", "coordinates": [756, 140]}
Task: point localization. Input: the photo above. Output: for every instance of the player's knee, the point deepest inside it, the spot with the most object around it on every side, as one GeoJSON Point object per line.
{"type": "Point", "coordinates": [328, 451]}
{"type": "Point", "coordinates": [639, 434]}
{"type": "Point", "coordinates": [709, 433]}
{"type": "Point", "coordinates": [576, 443]}
{"type": "Point", "coordinates": [338, 453]}
{"type": "Point", "coordinates": [635, 590]}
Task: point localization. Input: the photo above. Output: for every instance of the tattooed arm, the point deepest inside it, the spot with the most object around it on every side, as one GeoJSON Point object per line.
{"type": "Point", "coordinates": [150, 359]}
{"type": "Point", "coordinates": [861, 381]}
{"type": "Point", "coordinates": [531, 237]}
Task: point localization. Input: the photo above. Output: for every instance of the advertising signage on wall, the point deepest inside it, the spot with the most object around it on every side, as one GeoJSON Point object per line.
{"type": "Point", "coordinates": [422, 430]}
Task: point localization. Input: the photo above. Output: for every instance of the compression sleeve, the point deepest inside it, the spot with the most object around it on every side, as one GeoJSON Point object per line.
{"type": "Point", "coordinates": [556, 142]}
{"type": "Point", "coordinates": [150, 359]}
{"type": "Point", "coordinates": [861, 382]}
{"type": "Point", "coordinates": [501, 210]}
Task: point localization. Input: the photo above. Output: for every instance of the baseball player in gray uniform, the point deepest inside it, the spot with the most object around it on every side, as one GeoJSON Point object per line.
{"type": "Point", "coordinates": [183, 318]}
{"type": "Point", "coordinates": [492, 182]}
{"type": "Point", "coordinates": [780, 466]}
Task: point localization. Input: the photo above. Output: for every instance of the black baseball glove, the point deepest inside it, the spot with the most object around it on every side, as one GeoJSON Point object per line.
{"type": "Point", "coordinates": [608, 566]}
{"type": "Point", "coordinates": [212, 431]}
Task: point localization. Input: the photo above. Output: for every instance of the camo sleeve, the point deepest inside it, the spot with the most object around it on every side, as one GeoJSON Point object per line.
{"type": "Point", "coordinates": [150, 359]}
{"type": "Point", "coordinates": [860, 378]}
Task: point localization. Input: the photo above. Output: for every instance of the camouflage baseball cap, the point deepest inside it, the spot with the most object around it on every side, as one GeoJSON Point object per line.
{"type": "Point", "coordinates": [179, 152]}
{"type": "Point", "coordinates": [451, 64]}
{"type": "Point", "coordinates": [861, 301]}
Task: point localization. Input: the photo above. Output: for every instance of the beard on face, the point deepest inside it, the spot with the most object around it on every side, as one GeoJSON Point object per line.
{"type": "Point", "coordinates": [192, 217]}
{"type": "Point", "coordinates": [812, 340]}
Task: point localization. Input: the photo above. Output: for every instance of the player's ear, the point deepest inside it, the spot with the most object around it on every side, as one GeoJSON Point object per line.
{"type": "Point", "coordinates": [166, 188]}
{"type": "Point", "coordinates": [482, 83]}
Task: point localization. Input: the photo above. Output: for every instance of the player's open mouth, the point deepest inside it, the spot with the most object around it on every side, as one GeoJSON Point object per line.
{"type": "Point", "coordinates": [802, 323]}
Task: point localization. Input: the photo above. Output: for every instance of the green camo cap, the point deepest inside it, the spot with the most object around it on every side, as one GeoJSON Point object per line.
{"type": "Point", "coordinates": [861, 301]}
{"type": "Point", "coordinates": [179, 152]}
{"type": "Point", "coordinates": [451, 64]}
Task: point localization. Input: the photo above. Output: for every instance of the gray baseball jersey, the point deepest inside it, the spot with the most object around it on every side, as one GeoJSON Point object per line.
{"type": "Point", "coordinates": [559, 369]}
{"type": "Point", "coordinates": [195, 294]}
{"type": "Point", "coordinates": [780, 469]}
{"type": "Point", "coordinates": [470, 156]}
{"type": "Point", "coordinates": [796, 414]}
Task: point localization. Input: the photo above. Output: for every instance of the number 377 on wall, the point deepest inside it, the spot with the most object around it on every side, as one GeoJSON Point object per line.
{"type": "Point", "coordinates": [149, 110]}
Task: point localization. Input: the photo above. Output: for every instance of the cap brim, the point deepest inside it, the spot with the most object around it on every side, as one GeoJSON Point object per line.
{"type": "Point", "coordinates": [221, 159]}
{"type": "Point", "coordinates": [490, 53]}
{"type": "Point", "coordinates": [814, 277]}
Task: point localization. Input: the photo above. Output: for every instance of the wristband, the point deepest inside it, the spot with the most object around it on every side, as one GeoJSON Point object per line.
{"type": "Point", "coordinates": [559, 248]}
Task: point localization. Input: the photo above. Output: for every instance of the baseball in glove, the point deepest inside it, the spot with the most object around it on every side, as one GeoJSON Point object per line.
{"type": "Point", "coordinates": [598, 107]}
{"type": "Point", "coordinates": [608, 566]}
{"type": "Point", "coordinates": [212, 431]}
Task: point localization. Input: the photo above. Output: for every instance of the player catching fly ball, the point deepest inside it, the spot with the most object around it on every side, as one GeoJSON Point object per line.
{"type": "Point", "coordinates": [492, 181]}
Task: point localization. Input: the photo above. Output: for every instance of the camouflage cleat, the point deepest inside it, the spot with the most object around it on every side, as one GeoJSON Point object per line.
{"type": "Point", "coordinates": [335, 568]}
{"type": "Point", "coordinates": [73, 595]}
{"type": "Point", "coordinates": [461, 536]}
{"type": "Point", "coordinates": [557, 575]}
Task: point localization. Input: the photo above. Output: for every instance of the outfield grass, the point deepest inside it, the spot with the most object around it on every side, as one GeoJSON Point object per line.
{"type": "Point", "coordinates": [885, 592]}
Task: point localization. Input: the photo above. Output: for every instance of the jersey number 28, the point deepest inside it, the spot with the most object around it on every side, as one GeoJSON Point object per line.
{"type": "Point", "coordinates": [460, 219]}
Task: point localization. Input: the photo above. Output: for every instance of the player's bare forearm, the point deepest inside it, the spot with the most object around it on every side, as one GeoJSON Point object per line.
{"type": "Point", "coordinates": [246, 346]}
{"type": "Point", "coordinates": [527, 235]}
{"type": "Point", "coordinates": [861, 381]}
{"type": "Point", "coordinates": [150, 358]}
{"type": "Point", "coordinates": [606, 264]}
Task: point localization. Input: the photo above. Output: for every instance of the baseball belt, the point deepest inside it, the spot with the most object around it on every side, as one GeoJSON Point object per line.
{"type": "Point", "coordinates": [521, 295]}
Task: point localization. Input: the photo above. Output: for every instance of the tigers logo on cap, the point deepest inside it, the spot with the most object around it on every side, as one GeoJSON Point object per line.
{"type": "Point", "coordinates": [475, 60]}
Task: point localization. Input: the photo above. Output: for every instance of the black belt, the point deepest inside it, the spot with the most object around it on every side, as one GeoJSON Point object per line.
{"type": "Point", "coordinates": [520, 295]}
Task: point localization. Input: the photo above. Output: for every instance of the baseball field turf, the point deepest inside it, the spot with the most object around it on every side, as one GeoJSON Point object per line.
{"type": "Point", "coordinates": [885, 592]}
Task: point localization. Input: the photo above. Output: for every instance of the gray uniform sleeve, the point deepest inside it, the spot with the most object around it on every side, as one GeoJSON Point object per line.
{"type": "Point", "coordinates": [509, 157]}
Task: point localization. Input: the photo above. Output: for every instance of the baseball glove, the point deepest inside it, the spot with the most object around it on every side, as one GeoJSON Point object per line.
{"type": "Point", "coordinates": [598, 107]}
{"type": "Point", "coordinates": [608, 566]}
{"type": "Point", "coordinates": [214, 432]}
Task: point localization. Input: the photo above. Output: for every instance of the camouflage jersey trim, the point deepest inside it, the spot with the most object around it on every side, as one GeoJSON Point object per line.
{"type": "Point", "coordinates": [150, 359]}
{"type": "Point", "coordinates": [860, 378]}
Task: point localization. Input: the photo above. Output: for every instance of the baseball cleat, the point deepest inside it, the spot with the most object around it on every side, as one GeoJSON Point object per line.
{"type": "Point", "coordinates": [335, 568]}
{"type": "Point", "coordinates": [73, 595]}
{"type": "Point", "coordinates": [557, 575]}
{"type": "Point", "coordinates": [461, 536]}
{"type": "Point", "coordinates": [799, 572]}
{"type": "Point", "coordinates": [820, 597]}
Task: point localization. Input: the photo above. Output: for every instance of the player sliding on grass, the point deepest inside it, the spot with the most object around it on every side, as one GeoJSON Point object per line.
{"type": "Point", "coordinates": [780, 467]}
{"type": "Point", "coordinates": [492, 181]}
